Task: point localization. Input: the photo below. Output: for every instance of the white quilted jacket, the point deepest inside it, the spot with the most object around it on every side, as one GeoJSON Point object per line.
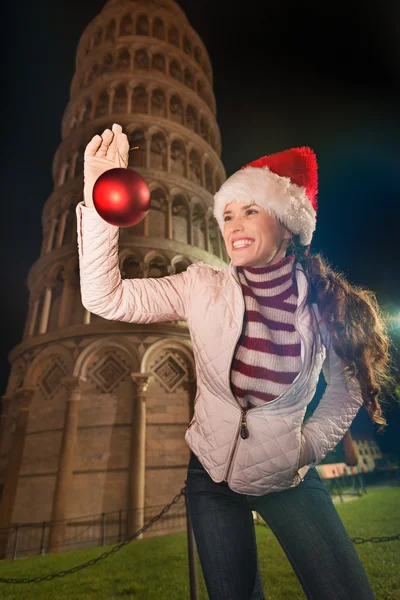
{"type": "Point", "coordinates": [280, 447]}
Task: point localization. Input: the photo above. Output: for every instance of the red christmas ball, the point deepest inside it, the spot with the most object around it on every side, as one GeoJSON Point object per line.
{"type": "Point", "coordinates": [121, 197]}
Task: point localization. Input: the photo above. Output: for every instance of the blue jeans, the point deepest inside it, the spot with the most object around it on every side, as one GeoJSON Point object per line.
{"type": "Point", "coordinates": [304, 521]}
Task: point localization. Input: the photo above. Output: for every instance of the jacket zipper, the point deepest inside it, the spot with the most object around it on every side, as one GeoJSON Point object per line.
{"type": "Point", "coordinates": [242, 433]}
{"type": "Point", "coordinates": [243, 429]}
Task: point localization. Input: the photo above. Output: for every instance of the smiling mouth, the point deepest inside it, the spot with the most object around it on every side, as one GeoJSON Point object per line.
{"type": "Point", "coordinates": [242, 246]}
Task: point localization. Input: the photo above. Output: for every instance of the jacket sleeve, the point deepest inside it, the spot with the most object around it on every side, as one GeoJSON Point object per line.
{"type": "Point", "coordinates": [335, 412]}
{"type": "Point", "coordinates": [106, 294]}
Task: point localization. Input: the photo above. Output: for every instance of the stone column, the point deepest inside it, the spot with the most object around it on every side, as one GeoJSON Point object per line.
{"type": "Point", "coordinates": [129, 98]}
{"type": "Point", "coordinates": [136, 487]}
{"type": "Point", "coordinates": [190, 225]}
{"type": "Point", "coordinates": [169, 159]}
{"type": "Point", "coordinates": [44, 320]}
{"type": "Point", "coordinates": [66, 298]}
{"type": "Point", "coordinates": [51, 235]}
{"type": "Point", "coordinates": [33, 317]}
{"type": "Point", "coordinates": [24, 397]}
{"type": "Point", "coordinates": [61, 229]}
{"type": "Point", "coordinates": [5, 406]}
{"type": "Point", "coordinates": [147, 146]}
{"type": "Point", "coordinates": [169, 218]}
{"type": "Point", "coordinates": [146, 226]}
{"type": "Point", "coordinates": [66, 463]}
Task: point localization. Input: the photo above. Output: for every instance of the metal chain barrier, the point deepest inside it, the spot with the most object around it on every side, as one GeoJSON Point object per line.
{"type": "Point", "coordinates": [358, 540]}
{"type": "Point", "coordinates": [103, 556]}
{"type": "Point", "coordinates": [93, 561]}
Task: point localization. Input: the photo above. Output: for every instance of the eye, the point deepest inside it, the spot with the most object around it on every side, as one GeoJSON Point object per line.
{"type": "Point", "coordinates": [249, 210]}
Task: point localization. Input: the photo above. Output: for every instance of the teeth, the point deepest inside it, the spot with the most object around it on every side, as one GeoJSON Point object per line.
{"type": "Point", "coordinates": [242, 243]}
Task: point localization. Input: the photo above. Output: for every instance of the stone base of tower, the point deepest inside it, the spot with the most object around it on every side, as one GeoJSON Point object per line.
{"type": "Point", "coordinates": [103, 447]}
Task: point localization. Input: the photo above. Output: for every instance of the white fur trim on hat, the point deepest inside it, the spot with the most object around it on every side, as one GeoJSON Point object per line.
{"type": "Point", "coordinates": [277, 195]}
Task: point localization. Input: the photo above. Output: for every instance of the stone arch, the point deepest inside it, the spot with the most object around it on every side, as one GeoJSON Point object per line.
{"type": "Point", "coordinates": [179, 264]}
{"type": "Point", "coordinates": [157, 216]}
{"type": "Point", "coordinates": [208, 177]}
{"type": "Point", "coordinates": [123, 60]}
{"type": "Point", "coordinates": [140, 100]}
{"type": "Point", "coordinates": [107, 66]}
{"type": "Point", "coordinates": [173, 36]}
{"type": "Point", "coordinates": [102, 104]}
{"type": "Point", "coordinates": [176, 109]}
{"type": "Point", "coordinates": [158, 103]}
{"type": "Point", "coordinates": [158, 151]}
{"type": "Point", "coordinates": [126, 25]}
{"type": "Point", "coordinates": [107, 362]}
{"type": "Point", "coordinates": [59, 368]}
{"type": "Point", "coordinates": [181, 367]}
{"type": "Point", "coordinates": [180, 219]}
{"type": "Point", "coordinates": [158, 62]}
{"type": "Point", "coordinates": [175, 70]}
{"type": "Point", "coordinates": [186, 45]}
{"type": "Point", "coordinates": [178, 158]}
{"type": "Point", "coordinates": [188, 78]}
{"type": "Point", "coordinates": [195, 167]}
{"type": "Point", "coordinates": [142, 62]}
{"type": "Point", "coordinates": [130, 265]}
{"type": "Point", "coordinates": [142, 25]}
{"type": "Point", "coordinates": [137, 158]}
{"type": "Point", "coordinates": [156, 265]}
{"type": "Point", "coordinates": [158, 29]}
{"type": "Point", "coordinates": [198, 226]}
{"type": "Point", "coordinates": [111, 31]}
{"type": "Point", "coordinates": [191, 118]}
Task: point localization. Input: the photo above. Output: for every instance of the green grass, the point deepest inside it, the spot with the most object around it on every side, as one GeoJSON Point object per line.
{"type": "Point", "coordinates": [157, 568]}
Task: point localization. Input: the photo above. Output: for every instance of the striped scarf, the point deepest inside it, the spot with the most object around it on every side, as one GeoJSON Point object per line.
{"type": "Point", "coordinates": [267, 357]}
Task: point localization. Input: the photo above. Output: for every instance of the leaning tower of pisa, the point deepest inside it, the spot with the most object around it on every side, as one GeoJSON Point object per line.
{"type": "Point", "coordinates": [95, 412]}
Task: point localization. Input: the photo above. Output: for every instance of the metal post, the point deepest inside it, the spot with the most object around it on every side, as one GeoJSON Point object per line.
{"type": "Point", "coordinates": [43, 537]}
{"type": "Point", "coordinates": [103, 527]}
{"type": "Point", "coordinates": [16, 542]}
{"type": "Point", "coordinates": [119, 525]}
{"type": "Point", "coordinates": [194, 594]}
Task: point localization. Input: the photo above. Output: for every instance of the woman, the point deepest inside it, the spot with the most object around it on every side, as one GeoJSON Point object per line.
{"type": "Point", "coordinates": [262, 330]}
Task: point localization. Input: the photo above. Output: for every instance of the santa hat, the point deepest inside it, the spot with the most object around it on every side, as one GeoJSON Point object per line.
{"type": "Point", "coordinates": [283, 184]}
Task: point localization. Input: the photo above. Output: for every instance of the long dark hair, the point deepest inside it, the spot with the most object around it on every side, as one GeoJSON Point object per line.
{"type": "Point", "coordinates": [353, 317]}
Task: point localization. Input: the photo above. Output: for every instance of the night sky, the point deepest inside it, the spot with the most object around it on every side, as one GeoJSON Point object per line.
{"type": "Point", "coordinates": [285, 74]}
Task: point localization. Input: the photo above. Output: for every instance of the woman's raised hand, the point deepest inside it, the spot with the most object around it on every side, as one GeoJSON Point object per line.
{"type": "Point", "coordinates": [104, 152]}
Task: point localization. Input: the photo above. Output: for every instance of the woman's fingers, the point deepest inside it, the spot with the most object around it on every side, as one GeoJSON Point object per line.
{"type": "Point", "coordinates": [107, 138]}
{"type": "Point", "coordinates": [112, 150]}
{"type": "Point", "coordinates": [123, 149]}
{"type": "Point", "coordinates": [93, 146]}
